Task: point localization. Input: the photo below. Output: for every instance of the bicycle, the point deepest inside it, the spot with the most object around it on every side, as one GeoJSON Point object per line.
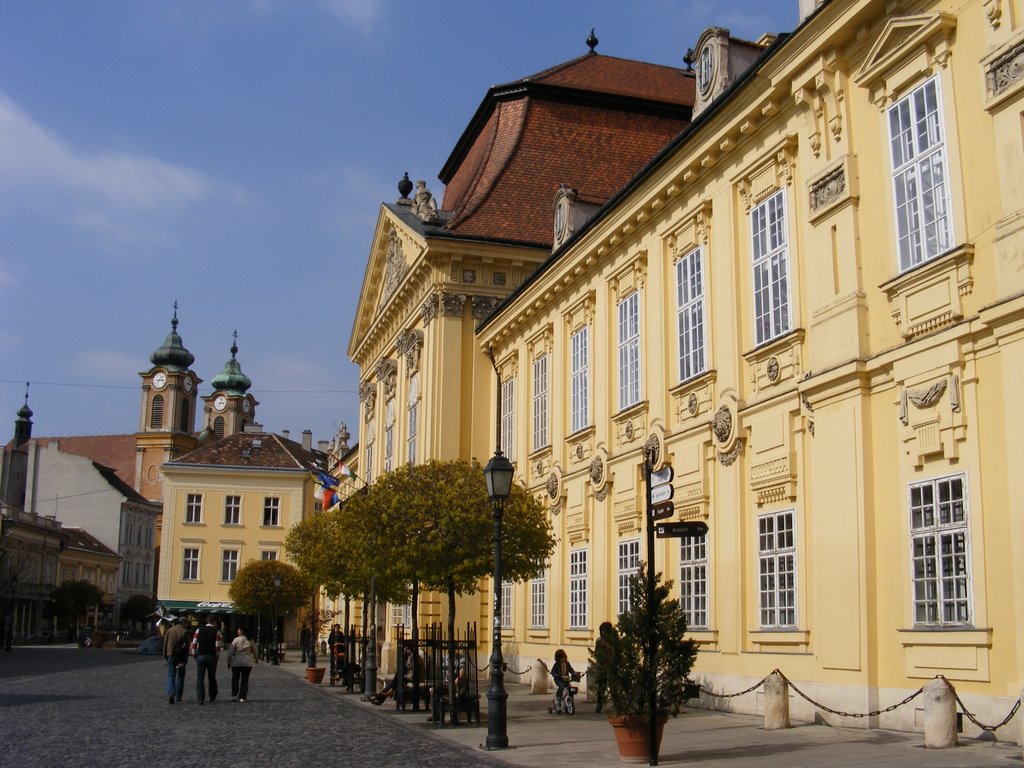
{"type": "Point", "coordinates": [565, 699]}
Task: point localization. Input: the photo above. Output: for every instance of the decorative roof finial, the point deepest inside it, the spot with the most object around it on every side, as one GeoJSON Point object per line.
{"type": "Point", "coordinates": [688, 58]}
{"type": "Point", "coordinates": [592, 41]}
{"type": "Point", "coordinates": [174, 320]}
{"type": "Point", "coordinates": [404, 188]}
{"type": "Point", "coordinates": [234, 344]}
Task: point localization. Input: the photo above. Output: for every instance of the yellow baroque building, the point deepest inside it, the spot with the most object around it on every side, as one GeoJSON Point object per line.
{"type": "Point", "coordinates": [810, 304]}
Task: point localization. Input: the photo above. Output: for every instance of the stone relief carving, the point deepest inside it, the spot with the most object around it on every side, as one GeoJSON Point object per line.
{"type": "Point", "coordinates": [652, 448]}
{"type": "Point", "coordinates": [409, 344]}
{"type": "Point", "coordinates": [452, 304]}
{"type": "Point", "coordinates": [692, 403]}
{"type": "Point", "coordinates": [772, 369]}
{"type": "Point", "coordinates": [552, 486]}
{"type": "Point", "coordinates": [925, 397]}
{"type": "Point", "coordinates": [597, 471]}
{"type": "Point", "coordinates": [423, 205]}
{"type": "Point", "coordinates": [721, 424]}
{"type": "Point", "coordinates": [368, 397]}
{"type": "Point", "coordinates": [828, 189]}
{"type": "Point", "coordinates": [429, 309]}
{"type": "Point", "coordinates": [727, 458]}
{"type": "Point", "coordinates": [1006, 71]}
{"type": "Point", "coordinates": [395, 264]}
{"type": "Point", "coordinates": [483, 306]}
{"type": "Point", "coordinates": [387, 373]}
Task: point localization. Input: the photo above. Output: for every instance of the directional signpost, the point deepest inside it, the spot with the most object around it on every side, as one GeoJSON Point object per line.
{"type": "Point", "coordinates": [683, 530]}
{"type": "Point", "coordinates": [663, 510]}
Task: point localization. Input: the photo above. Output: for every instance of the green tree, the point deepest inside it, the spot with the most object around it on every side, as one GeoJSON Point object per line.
{"type": "Point", "coordinates": [253, 589]}
{"type": "Point", "coordinates": [72, 599]}
{"type": "Point", "coordinates": [137, 608]}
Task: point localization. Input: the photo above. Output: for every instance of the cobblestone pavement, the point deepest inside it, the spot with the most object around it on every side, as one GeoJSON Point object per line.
{"type": "Point", "coordinates": [65, 706]}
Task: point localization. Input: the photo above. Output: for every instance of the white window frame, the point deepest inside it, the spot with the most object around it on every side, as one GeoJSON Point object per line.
{"type": "Point", "coordinates": [693, 580]}
{"type": "Point", "coordinates": [232, 509]}
{"type": "Point", "coordinates": [401, 613]}
{"type": "Point", "coordinates": [194, 508]}
{"type": "Point", "coordinates": [940, 553]}
{"type": "Point", "coordinates": [508, 416]}
{"type": "Point", "coordinates": [540, 401]}
{"type": "Point", "coordinates": [690, 313]}
{"type": "Point", "coordinates": [370, 440]}
{"type": "Point", "coordinates": [777, 569]}
{"type": "Point", "coordinates": [413, 419]}
{"type": "Point", "coordinates": [769, 235]}
{"type": "Point", "coordinates": [229, 564]}
{"type": "Point", "coordinates": [190, 559]}
{"type": "Point", "coordinates": [918, 154]}
{"type": "Point", "coordinates": [629, 350]}
{"type": "Point", "coordinates": [271, 511]}
{"type": "Point", "coordinates": [629, 564]}
{"type": "Point", "coordinates": [268, 554]}
{"type": "Point", "coordinates": [580, 380]}
{"type": "Point", "coordinates": [578, 588]}
{"type": "Point", "coordinates": [506, 605]}
{"type": "Point", "coordinates": [539, 600]}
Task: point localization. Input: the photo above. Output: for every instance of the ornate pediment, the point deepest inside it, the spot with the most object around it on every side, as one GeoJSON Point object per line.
{"type": "Point", "coordinates": [908, 49]}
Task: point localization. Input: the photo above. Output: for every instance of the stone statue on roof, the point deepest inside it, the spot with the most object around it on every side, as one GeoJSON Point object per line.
{"type": "Point", "coordinates": [423, 204]}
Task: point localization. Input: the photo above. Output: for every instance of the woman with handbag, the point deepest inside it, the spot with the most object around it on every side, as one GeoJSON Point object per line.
{"type": "Point", "coordinates": [241, 660]}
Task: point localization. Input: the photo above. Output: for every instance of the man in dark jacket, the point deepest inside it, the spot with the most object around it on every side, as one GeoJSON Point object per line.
{"type": "Point", "coordinates": [176, 646]}
{"type": "Point", "coordinates": [206, 644]}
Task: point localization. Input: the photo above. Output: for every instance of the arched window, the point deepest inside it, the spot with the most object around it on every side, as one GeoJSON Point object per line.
{"type": "Point", "coordinates": [218, 427]}
{"type": "Point", "coordinates": [156, 415]}
{"type": "Point", "coordinates": [186, 421]}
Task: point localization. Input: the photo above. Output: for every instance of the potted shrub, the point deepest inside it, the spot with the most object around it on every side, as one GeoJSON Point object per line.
{"type": "Point", "coordinates": [317, 619]}
{"type": "Point", "coordinates": [620, 661]}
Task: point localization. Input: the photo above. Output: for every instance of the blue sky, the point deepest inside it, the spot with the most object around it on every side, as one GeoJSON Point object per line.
{"type": "Point", "coordinates": [232, 155]}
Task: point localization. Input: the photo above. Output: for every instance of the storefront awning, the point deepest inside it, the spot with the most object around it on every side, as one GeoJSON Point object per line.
{"type": "Point", "coordinates": [196, 606]}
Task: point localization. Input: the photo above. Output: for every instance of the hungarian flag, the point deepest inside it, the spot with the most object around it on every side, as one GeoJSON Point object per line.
{"type": "Point", "coordinates": [346, 472]}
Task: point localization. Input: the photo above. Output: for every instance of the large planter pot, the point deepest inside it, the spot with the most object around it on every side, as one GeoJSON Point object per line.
{"type": "Point", "coordinates": [632, 734]}
{"type": "Point", "coordinates": [315, 674]}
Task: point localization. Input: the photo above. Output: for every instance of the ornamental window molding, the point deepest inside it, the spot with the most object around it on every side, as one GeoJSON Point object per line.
{"type": "Point", "coordinates": [821, 92]}
{"type": "Point", "coordinates": [581, 313]}
{"type": "Point", "coordinates": [630, 278]}
{"type": "Point", "coordinates": [691, 233]}
{"type": "Point", "coordinates": [774, 172]}
{"type": "Point", "coordinates": [409, 344]}
{"type": "Point", "coordinates": [1004, 73]}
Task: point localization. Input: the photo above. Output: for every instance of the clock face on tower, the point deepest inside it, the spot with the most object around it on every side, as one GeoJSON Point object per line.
{"type": "Point", "coordinates": [187, 384]}
{"type": "Point", "coordinates": [159, 379]}
{"type": "Point", "coordinates": [220, 403]}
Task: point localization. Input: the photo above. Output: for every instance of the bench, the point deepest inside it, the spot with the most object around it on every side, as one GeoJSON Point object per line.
{"type": "Point", "coordinates": [468, 708]}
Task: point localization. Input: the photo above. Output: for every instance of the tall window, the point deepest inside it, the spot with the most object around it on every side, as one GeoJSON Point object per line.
{"type": "Point", "coordinates": [228, 564]}
{"type": "Point", "coordinates": [629, 564]}
{"type": "Point", "coordinates": [389, 436]}
{"type": "Point", "coordinates": [506, 605]}
{"type": "Point", "coordinates": [690, 313]}
{"type": "Point", "coordinates": [939, 548]}
{"type": "Point", "coordinates": [370, 439]}
{"type": "Point", "coordinates": [156, 415]}
{"type": "Point", "coordinates": [401, 613]}
{"type": "Point", "coordinates": [271, 511]}
{"type": "Point", "coordinates": [540, 402]}
{"type": "Point", "coordinates": [413, 414]}
{"type": "Point", "coordinates": [693, 581]}
{"type": "Point", "coordinates": [232, 510]}
{"type": "Point", "coordinates": [578, 589]}
{"type": "Point", "coordinates": [194, 508]}
{"type": "Point", "coordinates": [923, 226]}
{"type": "Point", "coordinates": [580, 404]}
{"type": "Point", "coordinates": [776, 551]}
{"type": "Point", "coordinates": [190, 564]}
{"type": "Point", "coordinates": [508, 416]}
{"type": "Point", "coordinates": [629, 350]}
{"type": "Point", "coordinates": [771, 268]}
{"type": "Point", "coordinates": [539, 600]}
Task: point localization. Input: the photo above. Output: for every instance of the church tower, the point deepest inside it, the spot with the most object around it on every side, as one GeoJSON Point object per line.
{"type": "Point", "coordinates": [229, 408]}
{"type": "Point", "coordinates": [168, 408]}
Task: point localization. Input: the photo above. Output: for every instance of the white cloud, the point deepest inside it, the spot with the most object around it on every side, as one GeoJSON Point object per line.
{"type": "Point", "coordinates": [105, 366]}
{"type": "Point", "coordinates": [358, 13]}
{"type": "Point", "coordinates": [109, 192]}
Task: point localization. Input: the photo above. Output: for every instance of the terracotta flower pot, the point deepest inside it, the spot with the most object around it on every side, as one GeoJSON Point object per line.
{"type": "Point", "coordinates": [632, 736]}
{"type": "Point", "coordinates": [315, 674]}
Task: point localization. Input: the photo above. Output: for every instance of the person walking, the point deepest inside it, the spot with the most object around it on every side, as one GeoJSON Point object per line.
{"type": "Point", "coordinates": [604, 655]}
{"type": "Point", "coordinates": [206, 650]}
{"type": "Point", "coordinates": [304, 639]}
{"type": "Point", "coordinates": [241, 660]}
{"type": "Point", "coordinates": [176, 648]}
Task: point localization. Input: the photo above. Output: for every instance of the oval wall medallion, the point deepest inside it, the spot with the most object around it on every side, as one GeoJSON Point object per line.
{"type": "Point", "coordinates": [691, 404]}
{"type": "Point", "coordinates": [773, 369]}
{"type": "Point", "coordinates": [552, 486]}
{"type": "Point", "coordinates": [721, 424]}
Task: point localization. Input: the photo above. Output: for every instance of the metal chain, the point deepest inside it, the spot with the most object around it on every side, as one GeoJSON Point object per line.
{"type": "Point", "coordinates": [517, 671]}
{"type": "Point", "coordinates": [971, 717]}
{"type": "Point", "coordinates": [874, 713]}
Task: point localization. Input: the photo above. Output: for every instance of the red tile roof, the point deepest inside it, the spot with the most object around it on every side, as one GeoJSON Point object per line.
{"type": "Point", "coordinates": [251, 450]}
{"type": "Point", "coordinates": [79, 538]}
{"type": "Point", "coordinates": [591, 124]}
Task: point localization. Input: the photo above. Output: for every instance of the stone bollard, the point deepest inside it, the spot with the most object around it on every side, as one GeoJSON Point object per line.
{"type": "Point", "coordinates": [539, 677]}
{"type": "Point", "coordinates": [776, 702]}
{"type": "Point", "coordinates": [939, 715]}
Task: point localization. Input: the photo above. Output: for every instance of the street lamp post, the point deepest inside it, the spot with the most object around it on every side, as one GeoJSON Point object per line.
{"type": "Point", "coordinates": [273, 633]}
{"type": "Point", "coordinates": [498, 474]}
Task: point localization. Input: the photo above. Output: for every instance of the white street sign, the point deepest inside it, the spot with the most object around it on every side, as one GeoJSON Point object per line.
{"type": "Point", "coordinates": [661, 493]}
